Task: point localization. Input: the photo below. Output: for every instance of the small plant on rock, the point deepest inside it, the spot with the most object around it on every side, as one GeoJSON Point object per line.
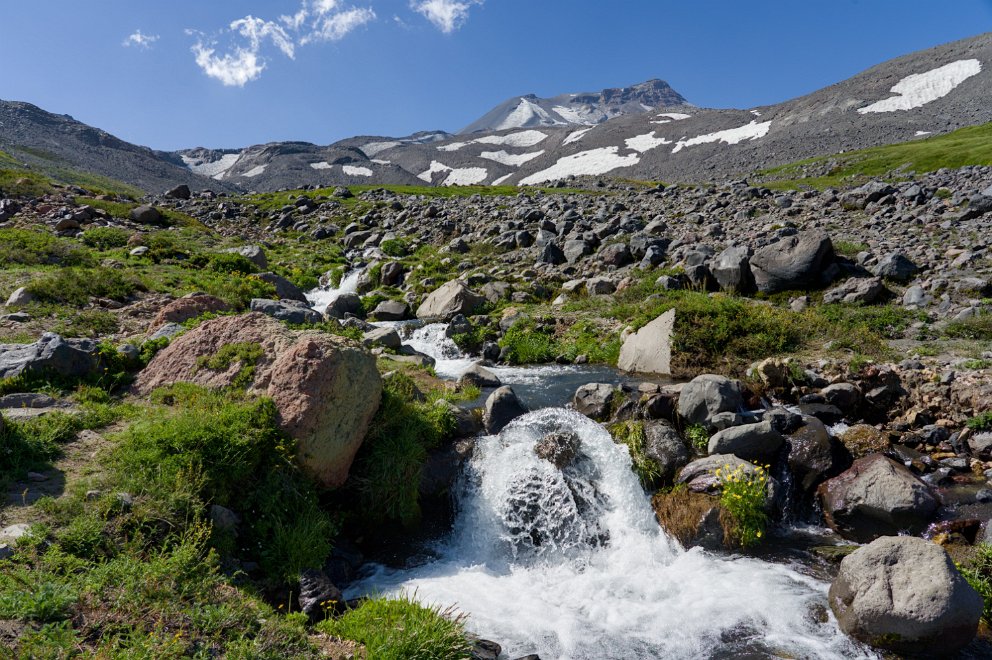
{"type": "Point", "coordinates": [743, 496]}
{"type": "Point", "coordinates": [698, 437]}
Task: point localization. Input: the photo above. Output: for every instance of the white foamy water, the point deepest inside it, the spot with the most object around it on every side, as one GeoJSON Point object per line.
{"type": "Point", "coordinates": [571, 564]}
{"type": "Point", "coordinates": [431, 340]}
{"type": "Point", "coordinates": [321, 297]}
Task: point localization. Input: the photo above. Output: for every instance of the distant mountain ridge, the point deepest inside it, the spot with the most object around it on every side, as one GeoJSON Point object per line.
{"type": "Point", "coordinates": [929, 92]}
{"type": "Point", "coordinates": [584, 109]}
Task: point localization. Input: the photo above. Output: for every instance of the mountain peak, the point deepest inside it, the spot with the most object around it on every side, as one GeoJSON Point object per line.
{"type": "Point", "coordinates": [582, 109]}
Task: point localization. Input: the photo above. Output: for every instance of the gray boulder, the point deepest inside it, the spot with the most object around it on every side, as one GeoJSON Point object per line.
{"type": "Point", "coordinates": [664, 445]}
{"type": "Point", "coordinates": [876, 497]}
{"type": "Point", "coordinates": [284, 288]}
{"type": "Point", "coordinates": [390, 310]}
{"type": "Point", "coordinates": [181, 191]}
{"type": "Point", "coordinates": [752, 442]}
{"type": "Point", "coordinates": [252, 253]}
{"type": "Point", "coordinates": [732, 269]}
{"type": "Point", "coordinates": [387, 337]}
{"type": "Point", "coordinates": [20, 298]}
{"type": "Point", "coordinates": [145, 215]}
{"type": "Point", "coordinates": [318, 594]}
{"type": "Point", "coordinates": [594, 400]}
{"type": "Point", "coordinates": [502, 407]}
{"type": "Point", "coordinates": [448, 301]}
{"type": "Point", "coordinates": [575, 250]}
{"type": "Point", "coordinates": [903, 594]}
{"type": "Point", "coordinates": [708, 395]}
{"type": "Point", "coordinates": [649, 350]}
{"type": "Point", "coordinates": [856, 290]}
{"type": "Point", "coordinates": [896, 266]}
{"type": "Point", "coordinates": [289, 311]}
{"type": "Point", "coordinates": [810, 452]}
{"type": "Point", "coordinates": [600, 286]}
{"type": "Point", "coordinates": [794, 263]}
{"type": "Point", "coordinates": [345, 303]}
{"type": "Point", "coordinates": [51, 354]}
{"type": "Point", "coordinates": [479, 376]}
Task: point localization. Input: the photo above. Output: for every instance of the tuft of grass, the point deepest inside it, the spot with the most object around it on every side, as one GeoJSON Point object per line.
{"type": "Point", "coordinates": [631, 434]}
{"type": "Point", "coordinates": [75, 286]}
{"type": "Point", "coordinates": [245, 354]}
{"type": "Point", "coordinates": [849, 249]}
{"type": "Point", "coordinates": [982, 422]}
{"type": "Point", "coordinates": [698, 438]}
{"type": "Point", "coordinates": [978, 327]}
{"type": "Point", "coordinates": [36, 248]}
{"type": "Point", "coordinates": [978, 573]}
{"type": "Point", "coordinates": [389, 465]}
{"type": "Point", "coordinates": [105, 238]}
{"type": "Point", "coordinates": [401, 628]}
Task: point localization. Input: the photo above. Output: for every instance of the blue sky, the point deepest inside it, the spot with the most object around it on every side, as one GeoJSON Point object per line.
{"type": "Point", "coordinates": [221, 73]}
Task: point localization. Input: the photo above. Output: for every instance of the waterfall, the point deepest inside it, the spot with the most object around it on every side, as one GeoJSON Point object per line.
{"type": "Point", "coordinates": [321, 297]}
{"type": "Point", "coordinates": [570, 563]}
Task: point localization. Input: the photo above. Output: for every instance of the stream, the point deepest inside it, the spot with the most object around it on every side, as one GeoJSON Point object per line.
{"type": "Point", "coordinates": [570, 563]}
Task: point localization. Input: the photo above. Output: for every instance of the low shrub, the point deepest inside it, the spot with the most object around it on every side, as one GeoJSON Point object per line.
{"type": "Point", "coordinates": [698, 438]}
{"type": "Point", "coordinates": [37, 248]}
{"type": "Point", "coordinates": [400, 629]}
{"type": "Point", "coordinates": [978, 327]}
{"type": "Point", "coordinates": [743, 496]}
{"type": "Point", "coordinates": [75, 286]}
{"type": "Point", "coordinates": [105, 238]}
{"type": "Point", "coordinates": [981, 422]}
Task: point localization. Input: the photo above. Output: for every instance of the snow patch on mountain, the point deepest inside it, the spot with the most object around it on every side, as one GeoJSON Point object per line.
{"type": "Point", "coordinates": [521, 139]}
{"type": "Point", "coordinates": [454, 146]}
{"type": "Point", "coordinates": [466, 176]}
{"type": "Point", "coordinates": [669, 117]}
{"type": "Point", "coordinates": [647, 142]}
{"type": "Point", "coordinates": [381, 162]}
{"type": "Point", "coordinates": [752, 131]}
{"type": "Point", "coordinates": [527, 113]}
{"type": "Point", "coordinates": [575, 136]}
{"type": "Point", "coordinates": [573, 116]}
{"type": "Point", "coordinates": [324, 165]}
{"type": "Point", "coordinates": [592, 162]}
{"type": "Point", "coordinates": [352, 170]}
{"type": "Point", "coordinates": [921, 88]}
{"type": "Point", "coordinates": [255, 171]}
{"type": "Point", "coordinates": [515, 160]}
{"type": "Point", "coordinates": [373, 148]}
{"type": "Point", "coordinates": [428, 174]}
{"type": "Point", "coordinates": [502, 179]}
{"type": "Point", "coordinates": [214, 169]}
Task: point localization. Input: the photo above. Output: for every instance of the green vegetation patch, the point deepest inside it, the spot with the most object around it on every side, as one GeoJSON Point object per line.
{"type": "Point", "coordinates": [966, 146]}
{"type": "Point", "coordinates": [245, 354]}
{"type": "Point", "coordinates": [38, 248]}
{"type": "Point", "coordinates": [401, 629]}
{"type": "Point", "coordinates": [631, 434]}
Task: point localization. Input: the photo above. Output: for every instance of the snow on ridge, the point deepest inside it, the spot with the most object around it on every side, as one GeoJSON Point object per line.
{"type": "Point", "coordinates": [352, 170]}
{"type": "Point", "coordinates": [323, 165]}
{"type": "Point", "coordinates": [592, 162]}
{"type": "Point", "coordinates": [515, 160]}
{"type": "Point", "coordinates": [216, 169]}
{"type": "Point", "coordinates": [466, 176]}
{"type": "Point", "coordinates": [646, 142]}
{"type": "Point", "coordinates": [575, 136]}
{"type": "Point", "coordinates": [373, 148]}
{"type": "Point", "coordinates": [922, 133]}
{"type": "Point", "coordinates": [525, 114]}
{"type": "Point", "coordinates": [502, 179]}
{"type": "Point", "coordinates": [521, 139]}
{"type": "Point", "coordinates": [381, 162]}
{"type": "Point", "coordinates": [454, 146]}
{"type": "Point", "coordinates": [669, 117]}
{"type": "Point", "coordinates": [921, 88]}
{"type": "Point", "coordinates": [255, 171]}
{"type": "Point", "coordinates": [751, 131]}
{"type": "Point", "coordinates": [572, 116]}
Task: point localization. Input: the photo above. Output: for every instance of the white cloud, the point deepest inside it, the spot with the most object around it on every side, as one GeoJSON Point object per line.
{"type": "Point", "coordinates": [315, 21]}
{"type": "Point", "coordinates": [232, 70]}
{"type": "Point", "coordinates": [446, 15]}
{"type": "Point", "coordinates": [140, 39]}
{"type": "Point", "coordinates": [337, 26]}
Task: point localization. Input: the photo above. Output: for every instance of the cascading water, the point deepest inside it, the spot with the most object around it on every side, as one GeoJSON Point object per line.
{"type": "Point", "coordinates": [431, 340]}
{"type": "Point", "coordinates": [321, 297]}
{"type": "Point", "coordinates": [569, 563]}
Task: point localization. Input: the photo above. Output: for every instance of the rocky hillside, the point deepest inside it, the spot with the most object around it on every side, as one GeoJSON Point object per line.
{"type": "Point", "coordinates": [584, 109]}
{"type": "Point", "coordinates": [529, 141]}
{"type": "Point", "coordinates": [66, 149]}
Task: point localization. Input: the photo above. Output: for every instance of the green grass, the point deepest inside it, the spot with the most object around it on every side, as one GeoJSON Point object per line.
{"type": "Point", "coordinates": [38, 248]}
{"type": "Point", "coordinates": [388, 466]}
{"type": "Point", "coordinates": [978, 573]}
{"type": "Point", "coordinates": [966, 146]}
{"type": "Point", "coordinates": [402, 629]}
{"type": "Point", "coordinates": [631, 435]}
{"type": "Point", "coordinates": [978, 327]}
{"type": "Point", "coordinates": [245, 354]}
{"type": "Point", "coordinates": [75, 286]}
{"type": "Point", "coordinates": [981, 422]}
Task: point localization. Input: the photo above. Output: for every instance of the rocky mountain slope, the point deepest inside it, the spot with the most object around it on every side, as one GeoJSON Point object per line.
{"type": "Point", "coordinates": [585, 109]}
{"type": "Point", "coordinates": [55, 145]}
{"type": "Point", "coordinates": [540, 141]}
